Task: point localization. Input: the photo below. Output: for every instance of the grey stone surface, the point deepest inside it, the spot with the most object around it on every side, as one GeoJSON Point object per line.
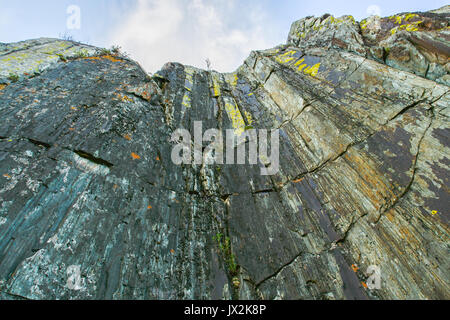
{"type": "Point", "coordinates": [87, 183]}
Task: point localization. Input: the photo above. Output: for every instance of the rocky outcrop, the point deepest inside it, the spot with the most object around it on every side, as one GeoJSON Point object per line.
{"type": "Point", "coordinates": [412, 42]}
{"type": "Point", "coordinates": [93, 207]}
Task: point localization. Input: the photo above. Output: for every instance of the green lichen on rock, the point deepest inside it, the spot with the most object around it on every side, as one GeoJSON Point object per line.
{"type": "Point", "coordinates": [224, 245]}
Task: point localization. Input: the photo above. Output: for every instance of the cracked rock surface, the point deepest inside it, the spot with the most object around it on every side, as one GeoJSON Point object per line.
{"type": "Point", "coordinates": [92, 207]}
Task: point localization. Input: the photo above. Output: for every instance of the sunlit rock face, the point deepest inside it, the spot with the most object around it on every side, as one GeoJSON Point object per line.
{"type": "Point", "coordinates": [92, 206]}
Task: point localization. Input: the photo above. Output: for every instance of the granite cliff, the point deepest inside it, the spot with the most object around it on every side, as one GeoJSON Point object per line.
{"type": "Point", "coordinates": [92, 207]}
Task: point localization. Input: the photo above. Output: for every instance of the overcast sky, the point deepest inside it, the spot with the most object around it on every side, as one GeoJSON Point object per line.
{"type": "Point", "coordinates": [188, 31]}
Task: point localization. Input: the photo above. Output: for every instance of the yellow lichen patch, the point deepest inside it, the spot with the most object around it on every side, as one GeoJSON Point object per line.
{"type": "Point", "coordinates": [135, 156]}
{"type": "Point", "coordinates": [189, 78]}
{"type": "Point", "coordinates": [235, 80]}
{"type": "Point", "coordinates": [237, 121]}
{"type": "Point", "coordinates": [302, 35]}
{"type": "Point", "coordinates": [248, 116]}
{"type": "Point", "coordinates": [303, 67]}
{"type": "Point", "coordinates": [411, 27]}
{"type": "Point", "coordinates": [231, 79]}
{"type": "Point", "coordinates": [2, 86]}
{"type": "Point", "coordinates": [189, 81]}
{"type": "Point", "coordinates": [434, 212]}
{"type": "Point", "coordinates": [410, 16]}
{"type": "Point", "coordinates": [299, 62]}
{"type": "Point", "coordinates": [215, 85]}
{"type": "Point", "coordinates": [123, 98]}
{"type": "Point", "coordinates": [126, 99]}
{"type": "Point", "coordinates": [285, 57]}
{"type": "Point", "coordinates": [313, 71]}
{"type": "Point", "coordinates": [186, 100]}
{"type": "Point", "coordinates": [216, 91]}
{"type": "Point", "coordinates": [334, 20]}
{"type": "Point", "coordinates": [7, 176]}
{"type": "Point", "coordinates": [364, 24]}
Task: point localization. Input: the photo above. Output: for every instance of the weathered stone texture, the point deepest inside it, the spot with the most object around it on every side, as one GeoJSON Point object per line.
{"type": "Point", "coordinates": [87, 182]}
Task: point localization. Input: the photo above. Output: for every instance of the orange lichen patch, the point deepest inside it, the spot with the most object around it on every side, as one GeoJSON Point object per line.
{"type": "Point", "coordinates": [71, 129]}
{"type": "Point", "coordinates": [364, 285]}
{"type": "Point", "coordinates": [149, 207]}
{"type": "Point", "coordinates": [111, 58]}
{"type": "Point", "coordinates": [413, 241]}
{"type": "Point", "coordinates": [146, 95]}
{"type": "Point", "coordinates": [172, 251]}
{"type": "Point", "coordinates": [123, 98]}
{"type": "Point", "coordinates": [7, 176]}
{"type": "Point", "coordinates": [355, 268]}
{"type": "Point", "coordinates": [390, 216]}
{"type": "Point", "coordinates": [2, 86]}
{"type": "Point", "coordinates": [370, 180]}
{"type": "Point", "coordinates": [298, 180]}
{"type": "Point", "coordinates": [115, 186]}
{"type": "Point", "coordinates": [127, 137]}
{"type": "Point", "coordinates": [107, 57]}
{"type": "Point", "coordinates": [405, 234]}
{"type": "Point", "coordinates": [135, 156]}
{"type": "Point", "coordinates": [157, 159]}
{"type": "Point", "coordinates": [92, 58]}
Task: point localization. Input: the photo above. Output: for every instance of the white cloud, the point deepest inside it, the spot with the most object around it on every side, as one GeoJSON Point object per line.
{"type": "Point", "coordinates": [6, 16]}
{"type": "Point", "coordinates": [160, 31]}
{"type": "Point", "coordinates": [374, 10]}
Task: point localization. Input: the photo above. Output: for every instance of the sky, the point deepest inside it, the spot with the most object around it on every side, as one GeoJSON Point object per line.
{"type": "Point", "coordinates": [154, 32]}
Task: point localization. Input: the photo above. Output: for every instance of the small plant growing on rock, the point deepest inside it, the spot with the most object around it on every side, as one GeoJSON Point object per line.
{"type": "Point", "coordinates": [66, 36]}
{"type": "Point", "coordinates": [82, 53]}
{"type": "Point", "coordinates": [13, 77]}
{"type": "Point", "coordinates": [104, 52]}
{"type": "Point", "coordinates": [62, 57]}
{"type": "Point", "coordinates": [117, 51]}
{"type": "Point", "coordinates": [224, 244]}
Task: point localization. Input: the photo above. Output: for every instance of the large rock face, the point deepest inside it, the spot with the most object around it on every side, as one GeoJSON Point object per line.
{"type": "Point", "coordinates": [93, 207]}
